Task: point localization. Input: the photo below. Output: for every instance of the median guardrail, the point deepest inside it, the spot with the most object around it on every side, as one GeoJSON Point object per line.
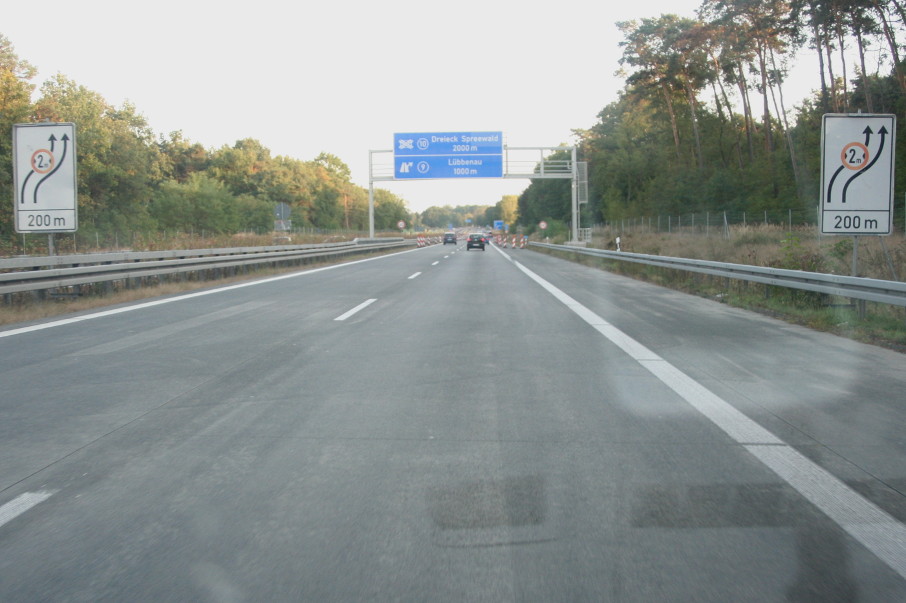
{"type": "Point", "coordinates": [40, 274]}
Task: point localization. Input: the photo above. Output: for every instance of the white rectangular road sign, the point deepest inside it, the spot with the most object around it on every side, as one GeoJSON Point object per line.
{"type": "Point", "coordinates": [857, 159]}
{"type": "Point", "coordinates": [44, 177]}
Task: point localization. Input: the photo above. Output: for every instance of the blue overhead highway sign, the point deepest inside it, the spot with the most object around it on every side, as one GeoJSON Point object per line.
{"type": "Point", "coordinates": [449, 166]}
{"type": "Point", "coordinates": [448, 155]}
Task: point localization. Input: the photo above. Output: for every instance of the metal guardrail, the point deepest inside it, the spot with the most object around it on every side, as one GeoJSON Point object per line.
{"type": "Point", "coordinates": [869, 289]}
{"type": "Point", "coordinates": [24, 274]}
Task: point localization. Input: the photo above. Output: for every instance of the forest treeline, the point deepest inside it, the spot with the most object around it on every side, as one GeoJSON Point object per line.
{"type": "Point", "coordinates": [130, 179]}
{"type": "Point", "coordinates": [702, 123]}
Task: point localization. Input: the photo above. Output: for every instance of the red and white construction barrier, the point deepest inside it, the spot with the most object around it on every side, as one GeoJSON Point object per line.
{"type": "Point", "coordinates": [422, 242]}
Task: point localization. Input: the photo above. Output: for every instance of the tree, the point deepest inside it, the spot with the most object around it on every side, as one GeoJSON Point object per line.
{"type": "Point", "coordinates": [508, 209]}
{"type": "Point", "coordinates": [202, 203]}
{"type": "Point", "coordinates": [15, 107]}
{"type": "Point", "coordinates": [334, 165]}
{"type": "Point", "coordinates": [645, 49]}
{"type": "Point", "coordinates": [546, 199]}
{"type": "Point", "coordinates": [118, 164]}
{"type": "Point", "coordinates": [327, 213]}
{"type": "Point", "coordinates": [291, 181]}
{"type": "Point", "coordinates": [242, 167]}
{"type": "Point", "coordinates": [439, 217]}
{"type": "Point", "coordinates": [883, 11]}
{"type": "Point", "coordinates": [254, 214]}
{"type": "Point", "coordinates": [763, 30]}
{"type": "Point", "coordinates": [180, 157]}
{"type": "Point", "coordinates": [389, 209]}
{"type": "Point", "coordinates": [625, 150]}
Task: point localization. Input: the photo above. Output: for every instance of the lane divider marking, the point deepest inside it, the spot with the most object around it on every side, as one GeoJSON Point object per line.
{"type": "Point", "coordinates": [22, 503]}
{"type": "Point", "coordinates": [358, 308]}
{"type": "Point", "coordinates": [169, 300]}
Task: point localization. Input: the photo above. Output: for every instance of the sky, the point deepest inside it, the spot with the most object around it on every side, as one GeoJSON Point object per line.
{"type": "Point", "coordinates": [341, 76]}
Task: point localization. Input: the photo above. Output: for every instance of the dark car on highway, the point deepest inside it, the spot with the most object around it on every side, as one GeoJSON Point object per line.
{"type": "Point", "coordinates": [449, 237]}
{"type": "Point", "coordinates": [475, 240]}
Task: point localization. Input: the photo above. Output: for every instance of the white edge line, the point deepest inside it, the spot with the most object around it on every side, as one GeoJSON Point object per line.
{"type": "Point", "coordinates": [358, 308]}
{"type": "Point", "coordinates": [503, 253]}
{"type": "Point", "coordinates": [882, 534]}
{"type": "Point", "coordinates": [867, 523]}
{"type": "Point", "coordinates": [75, 319]}
{"type": "Point", "coordinates": [22, 503]}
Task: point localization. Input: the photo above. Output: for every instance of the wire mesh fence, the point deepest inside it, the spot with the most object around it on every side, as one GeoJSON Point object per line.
{"type": "Point", "coordinates": [713, 223]}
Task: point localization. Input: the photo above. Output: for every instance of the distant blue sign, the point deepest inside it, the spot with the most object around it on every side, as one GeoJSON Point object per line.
{"type": "Point", "coordinates": [448, 155]}
{"type": "Point", "coordinates": [498, 224]}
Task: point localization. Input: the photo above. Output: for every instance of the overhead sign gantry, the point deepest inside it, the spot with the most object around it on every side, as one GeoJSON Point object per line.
{"type": "Point", "coordinates": [471, 155]}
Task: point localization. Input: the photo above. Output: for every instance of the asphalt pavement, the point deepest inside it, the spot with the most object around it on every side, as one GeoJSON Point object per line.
{"type": "Point", "coordinates": [447, 425]}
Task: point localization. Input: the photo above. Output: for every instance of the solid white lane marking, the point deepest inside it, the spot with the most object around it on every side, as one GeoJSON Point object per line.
{"type": "Point", "coordinates": [863, 520]}
{"type": "Point", "coordinates": [867, 523]}
{"type": "Point", "coordinates": [75, 319]}
{"type": "Point", "coordinates": [414, 275]}
{"type": "Point", "coordinates": [358, 308]}
{"type": "Point", "coordinates": [21, 504]}
{"type": "Point", "coordinates": [734, 423]}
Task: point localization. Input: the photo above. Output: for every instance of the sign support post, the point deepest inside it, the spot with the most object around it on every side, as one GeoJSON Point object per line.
{"type": "Point", "coordinates": [857, 161]}
{"type": "Point", "coordinates": [370, 195]}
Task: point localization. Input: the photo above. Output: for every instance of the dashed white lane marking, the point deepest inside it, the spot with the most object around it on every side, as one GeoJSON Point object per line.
{"type": "Point", "coordinates": [67, 321]}
{"type": "Point", "coordinates": [867, 523]}
{"type": "Point", "coordinates": [414, 275]}
{"type": "Point", "coordinates": [21, 504]}
{"type": "Point", "coordinates": [358, 308]}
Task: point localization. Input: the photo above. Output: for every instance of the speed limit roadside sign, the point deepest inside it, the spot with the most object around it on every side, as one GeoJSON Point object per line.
{"type": "Point", "coordinates": [44, 177]}
{"type": "Point", "coordinates": [857, 159]}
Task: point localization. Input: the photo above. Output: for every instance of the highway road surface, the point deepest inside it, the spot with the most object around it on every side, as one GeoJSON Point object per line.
{"type": "Point", "coordinates": [447, 425]}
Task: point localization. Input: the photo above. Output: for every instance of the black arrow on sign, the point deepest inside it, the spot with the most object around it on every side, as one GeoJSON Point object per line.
{"type": "Point", "coordinates": [830, 186]}
{"type": "Point", "coordinates": [24, 182]}
{"type": "Point", "coordinates": [52, 139]}
{"type": "Point", "coordinates": [883, 133]}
